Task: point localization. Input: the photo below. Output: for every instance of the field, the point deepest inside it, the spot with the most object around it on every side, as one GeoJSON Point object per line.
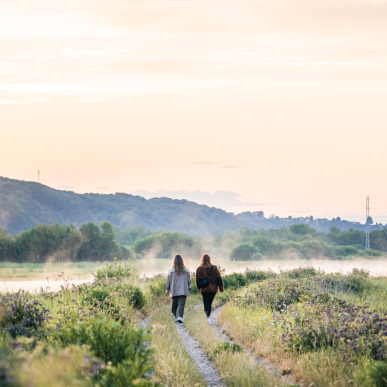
{"type": "Point", "coordinates": [285, 327]}
{"type": "Point", "coordinates": [152, 266]}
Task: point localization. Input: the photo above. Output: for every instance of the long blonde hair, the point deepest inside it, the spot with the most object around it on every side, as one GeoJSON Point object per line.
{"type": "Point", "coordinates": [178, 264]}
{"type": "Point", "coordinates": [206, 261]}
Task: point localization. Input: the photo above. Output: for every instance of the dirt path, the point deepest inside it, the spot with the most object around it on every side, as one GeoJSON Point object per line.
{"type": "Point", "coordinates": [205, 367]}
{"type": "Point", "coordinates": [192, 346]}
{"type": "Point", "coordinates": [144, 323]}
{"type": "Point", "coordinates": [262, 362]}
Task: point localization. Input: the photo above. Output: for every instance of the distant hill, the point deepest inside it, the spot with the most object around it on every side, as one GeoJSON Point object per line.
{"type": "Point", "coordinates": [26, 204]}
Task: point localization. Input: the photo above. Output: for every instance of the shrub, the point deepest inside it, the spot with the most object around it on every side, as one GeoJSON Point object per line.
{"type": "Point", "coordinates": [226, 346]}
{"type": "Point", "coordinates": [117, 270]}
{"type": "Point", "coordinates": [345, 251]}
{"type": "Point", "coordinates": [245, 252]}
{"type": "Point", "coordinates": [72, 366]}
{"type": "Point", "coordinates": [327, 321]}
{"type": "Point", "coordinates": [234, 281]}
{"type": "Point", "coordinates": [276, 294]}
{"type": "Point", "coordinates": [356, 281]}
{"type": "Point", "coordinates": [300, 272]}
{"type": "Point", "coordinates": [109, 293]}
{"type": "Point", "coordinates": [258, 275]}
{"type": "Point", "coordinates": [108, 340]}
{"type": "Point", "coordinates": [377, 372]}
{"type": "Point", "coordinates": [157, 287]}
{"type": "Point", "coordinates": [126, 374]}
{"type": "Point", "coordinates": [22, 316]}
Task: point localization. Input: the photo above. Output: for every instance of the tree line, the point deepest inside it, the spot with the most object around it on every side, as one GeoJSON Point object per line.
{"type": "Point", "coordinates": [305, 241]}
{"type": "Point", "coordinates": [59, 243]}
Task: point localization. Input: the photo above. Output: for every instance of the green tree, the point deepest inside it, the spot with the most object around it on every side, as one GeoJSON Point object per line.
{"type": "Point", "coordinates": [245, 252]}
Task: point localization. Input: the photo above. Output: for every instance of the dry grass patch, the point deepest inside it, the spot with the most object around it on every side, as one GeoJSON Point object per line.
{"type": "Point", "coordinates": [235, 368]}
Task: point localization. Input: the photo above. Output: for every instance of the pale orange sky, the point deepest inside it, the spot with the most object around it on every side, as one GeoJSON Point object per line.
{"type": "Point", "coordinates": [282, 102]}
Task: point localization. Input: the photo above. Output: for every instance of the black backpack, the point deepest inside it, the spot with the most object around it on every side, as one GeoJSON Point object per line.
{"type": "Point", "coordinates": [203, 283]}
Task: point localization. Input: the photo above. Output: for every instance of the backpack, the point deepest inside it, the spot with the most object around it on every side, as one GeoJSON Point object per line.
{"type": "Point", "coordinates": [203, 283]}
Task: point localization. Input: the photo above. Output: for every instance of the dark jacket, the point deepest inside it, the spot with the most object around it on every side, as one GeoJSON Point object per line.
{"type": "Point", "coordinates": [215, 280]}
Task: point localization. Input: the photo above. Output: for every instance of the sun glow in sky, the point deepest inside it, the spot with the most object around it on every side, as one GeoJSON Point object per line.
{"type": "Point", "coordinates": [280, 103]}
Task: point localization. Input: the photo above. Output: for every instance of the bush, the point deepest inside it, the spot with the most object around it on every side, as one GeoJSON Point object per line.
{"type": "Point", "coordinates": [275, 294]}
{"type": "Point", "coordinates": [245, 252]}
{"type": "Point", "coordinates": [356, 281]}
{"type": "Point", "coordinates": [49, 367]}
{"type": "Point", "coordinates": [258, 275]}
{"type": "Point", "coordinates": [300, 272]}
{"type": "Point", "coordinates": [377, 372]}
{"type": "Point", "coordinates": [108, 340]}
{"type": "Point", "coordinates": [345, 251]}
{"type": "Point", "coordinates": [117, 270]}
{"type": "Point", "coordinates": [22, 316]}
{"type": "Point", "coordinates": [157, 287]}
{"type": "Point", "coordinates": [109, 293]}
{"type": "Point", "coordinates": [126, 374]}
{"type": "Point", "coordinates": [328, 321]}
{"type": "Point", "coordinates": [226, 346]}
{"type": "Point", "coordinates": [234, 281]}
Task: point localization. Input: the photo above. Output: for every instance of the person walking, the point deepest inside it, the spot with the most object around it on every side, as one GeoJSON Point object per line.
{"type": "Point", "coordinates": [208, 281]}
{"type": "Point", "coordinates": [178, 286]}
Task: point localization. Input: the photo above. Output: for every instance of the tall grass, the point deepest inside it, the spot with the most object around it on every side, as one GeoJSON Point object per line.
{"type": "Point", "coordinates": [174, 367]}
{"type": "Point", "coordinates": [235, 367]}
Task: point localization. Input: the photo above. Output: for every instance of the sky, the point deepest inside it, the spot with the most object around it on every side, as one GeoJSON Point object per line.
{"type": "Point", "coordinates": [270, 105]}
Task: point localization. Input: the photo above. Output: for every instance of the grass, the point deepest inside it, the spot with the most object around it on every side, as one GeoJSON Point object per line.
{"type": "Point", "coordinates": [174, 367]}
{"type": "Point", "coordinates": [150, 266]}
{"type": "Point", "coordinates": [236, 368]}
{"type": "Point", "coordinates": [41, 271]}
{"type": "Point", "coordinates": [254, 328]}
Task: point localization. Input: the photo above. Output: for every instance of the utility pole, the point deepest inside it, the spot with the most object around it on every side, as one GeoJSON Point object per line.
{"type": "Point", "coordinates": [367, 245]}
{"type": "Point", "coordinates": [38, 176]}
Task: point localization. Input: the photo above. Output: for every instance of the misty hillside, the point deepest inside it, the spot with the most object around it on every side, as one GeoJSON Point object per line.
{"type": "Point", "coordinates": [26, 204]}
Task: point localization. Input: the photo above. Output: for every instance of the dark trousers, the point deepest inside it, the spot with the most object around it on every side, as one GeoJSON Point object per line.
{"type": "Point", "coordinates": [208, 297]}
{"type": "Point", "coordinates": [178, 303]}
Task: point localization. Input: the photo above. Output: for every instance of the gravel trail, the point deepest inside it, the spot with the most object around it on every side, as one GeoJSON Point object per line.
{"type": "Point", "coordinates": [192, 346]}
{"type": "Point", "coordinates": [204, 366]}
{"type": "Point", "coordinates": [144, 323]}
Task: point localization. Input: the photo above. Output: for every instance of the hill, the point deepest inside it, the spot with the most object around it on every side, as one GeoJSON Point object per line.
{"type": "Point", "coordinates": [24, 205]}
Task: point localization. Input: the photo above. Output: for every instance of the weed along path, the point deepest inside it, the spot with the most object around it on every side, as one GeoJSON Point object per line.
{"type": "Point", "coordinates": [235, 366]}
{"type": "Point", "coordinates": [261, 362]}
{"type": "Point", "coordinates": [197, 354]}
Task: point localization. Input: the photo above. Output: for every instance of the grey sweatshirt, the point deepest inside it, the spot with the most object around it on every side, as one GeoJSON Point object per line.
{"type": "Point", "coordinates": [178, 285]}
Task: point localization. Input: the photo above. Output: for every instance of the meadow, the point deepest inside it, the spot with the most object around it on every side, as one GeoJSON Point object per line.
{"type": "Point", "coordinates": [314, 328]}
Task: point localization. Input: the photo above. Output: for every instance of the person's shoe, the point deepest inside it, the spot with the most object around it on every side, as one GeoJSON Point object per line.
{"type": "Point", "coordinates": [209, 321]}
{"type": "Point", "coordinates": [176, 319]}
{"type": "Point", "coordinates": [180, 320]}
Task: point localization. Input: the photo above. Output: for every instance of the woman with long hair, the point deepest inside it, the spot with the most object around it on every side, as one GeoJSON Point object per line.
{"type": "Point", "coordinates": [178, 286]}
{"type": "Point", "coordinates": [208, 281]}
